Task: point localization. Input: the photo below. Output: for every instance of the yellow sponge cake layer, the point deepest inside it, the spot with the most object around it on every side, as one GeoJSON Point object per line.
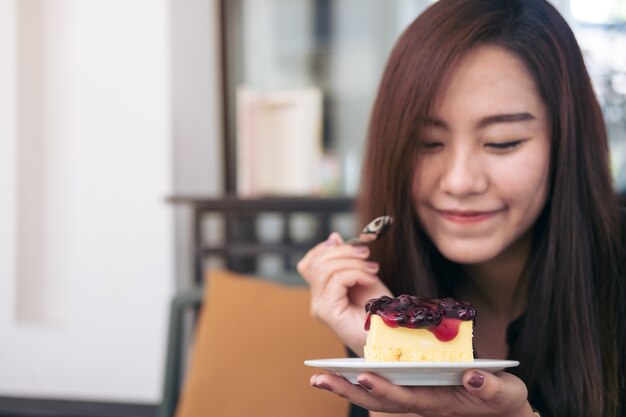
{"type": "Point", "coordinates": [393, 344]}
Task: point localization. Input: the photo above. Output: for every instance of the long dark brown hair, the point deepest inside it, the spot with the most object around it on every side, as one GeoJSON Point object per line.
{"type": "Point", "coordinates": [571, 344]}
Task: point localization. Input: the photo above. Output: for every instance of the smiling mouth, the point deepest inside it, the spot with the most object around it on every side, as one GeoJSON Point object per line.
{"type": "Point", "coordinates": [467, 217]}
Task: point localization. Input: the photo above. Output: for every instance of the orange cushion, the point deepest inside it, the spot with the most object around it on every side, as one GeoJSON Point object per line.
{"type": "Point", "coordinates": [247, 360]}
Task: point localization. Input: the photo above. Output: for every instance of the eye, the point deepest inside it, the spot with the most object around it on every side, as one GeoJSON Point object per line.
{"type": "Point", "coordinates": [504, 146]}
{"type": "Point", "coordinates": [430, 145]}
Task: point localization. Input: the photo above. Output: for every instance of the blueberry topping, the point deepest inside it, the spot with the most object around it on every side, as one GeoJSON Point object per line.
{"type": "Point", "coordinates": [415, 312]}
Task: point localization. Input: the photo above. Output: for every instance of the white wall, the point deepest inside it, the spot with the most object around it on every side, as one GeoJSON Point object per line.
{"type": "Point", "coordinates": [196, 115]}
{"type": "Point", "coordinates": [86, 239]}
{"type": "Point", "coordinates": [196, 92]}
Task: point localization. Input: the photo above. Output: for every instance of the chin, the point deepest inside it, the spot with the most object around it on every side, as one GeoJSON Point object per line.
{"type": "Point", "coordinates": [469, 254]}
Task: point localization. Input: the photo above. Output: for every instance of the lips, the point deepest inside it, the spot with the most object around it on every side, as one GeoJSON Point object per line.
{"type": "Point", "coordinates": [467, 216]}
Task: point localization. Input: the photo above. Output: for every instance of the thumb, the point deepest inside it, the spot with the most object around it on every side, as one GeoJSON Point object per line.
{"type": "Point", "coordinates": [497, 389]}
{"type": "Point", "coordinates": [334, 239]}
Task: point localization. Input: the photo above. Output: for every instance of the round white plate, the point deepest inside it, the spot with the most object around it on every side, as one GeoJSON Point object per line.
{"type": "Point", "coordinates": [409, 373]}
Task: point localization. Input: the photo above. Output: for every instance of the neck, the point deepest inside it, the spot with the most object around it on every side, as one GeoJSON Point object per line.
{"type": "Point", "coordinates": [497, 286]}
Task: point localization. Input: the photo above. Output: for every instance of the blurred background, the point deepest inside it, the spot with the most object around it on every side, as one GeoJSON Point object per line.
{"type": "Point", "coordinates": [121, 120]}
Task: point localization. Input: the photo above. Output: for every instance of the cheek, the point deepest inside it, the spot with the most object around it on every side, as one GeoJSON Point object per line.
{"type": "Point", "coordinates": [424, 188]}
{"type": "Point", "coordinates": [527, 184]}
{"type": "Point", "coordinates": [424, 181]}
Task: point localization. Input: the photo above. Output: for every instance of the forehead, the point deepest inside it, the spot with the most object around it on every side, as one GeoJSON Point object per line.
{"type": "Point", "coordinates": [488, 80]}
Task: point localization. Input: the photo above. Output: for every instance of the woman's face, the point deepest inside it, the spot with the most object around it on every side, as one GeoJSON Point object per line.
{"type": "Point", "coordinates": [482, 176]}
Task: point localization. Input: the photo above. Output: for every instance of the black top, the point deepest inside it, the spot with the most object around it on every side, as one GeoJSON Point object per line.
{"type": "Point", "coordinates": [513, 332]}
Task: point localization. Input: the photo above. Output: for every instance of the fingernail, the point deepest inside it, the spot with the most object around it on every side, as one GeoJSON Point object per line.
{"type": "Point", "coordinates": [323, 385]}
{"type": "Point", "coordinates": [371, 266]}
{"type": "Point", "coordinates": [365, 384]}
{"type": "Point", "coordinates": [361, 250]}
{"type": "Point", "coordinates": [477, 380]}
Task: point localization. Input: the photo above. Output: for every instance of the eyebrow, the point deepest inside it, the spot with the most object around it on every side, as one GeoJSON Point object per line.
{"type": "Point", "coordinates": [505, 118]}
{"type": "Point", "coordinates": [489, 120]}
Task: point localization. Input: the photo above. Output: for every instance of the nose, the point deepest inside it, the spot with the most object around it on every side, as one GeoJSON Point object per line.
{"type": "Point", "coordinates": [463, 174]}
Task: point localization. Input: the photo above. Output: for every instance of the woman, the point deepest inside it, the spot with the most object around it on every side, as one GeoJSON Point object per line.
{"type": "Point", "coordinates": [487, 146]}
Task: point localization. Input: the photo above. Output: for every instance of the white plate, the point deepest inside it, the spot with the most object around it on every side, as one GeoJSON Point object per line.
{"type": "Point", "coordinates": [409, 373]}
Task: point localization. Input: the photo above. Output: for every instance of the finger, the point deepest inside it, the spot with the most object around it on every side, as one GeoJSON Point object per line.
{"type": "Point", "coordinates": [352, 392]}
{"type": "Point", "coordinates": [404, 399]}
{"type": "Point", "coordinates": [336, 289]}
{"type": "Point", "coordinates": [336, 237]}
{"type": "Point", "coordinates": [319, 278]}
{"type": "Point", "coordinates": [326, 251]}
{"type": "Point", "coordinates": [361, 294]}
{"type": "Point", "coordinates": [330, 242]}
{"type": "Point", "coordinates": [333, 240]}
{"type": "Point", "coordinates": [496, 389]}
{"type": "Point", "coordinates": [333, 267]}
{"type": "Point", "coordinates": [341, 281]}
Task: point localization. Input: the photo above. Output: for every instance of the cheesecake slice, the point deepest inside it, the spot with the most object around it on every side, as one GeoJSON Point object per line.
{"type": "Point", "coordinates": [413, 329]}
